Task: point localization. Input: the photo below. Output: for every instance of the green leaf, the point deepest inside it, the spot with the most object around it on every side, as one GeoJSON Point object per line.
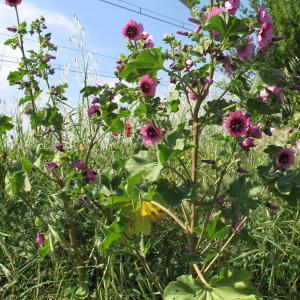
{"type": "Point", "coordinates": [285, 183]}
{"type": "Point", "coordinates": [190, 3]}
{"type": "Point", "coordinates": [112, 234]}
{"type": "Point", "coordinates": [230, 285]}
{"type": "Point", "coordinates": [267, 77]}
{"type": "Point", "coordinates": [228, 26]}
{"type": "Point", "coordinates": [26, 164]}
{"type": "Point", "coordinates": [145, 163]}
{"type": "Point", "coordinates": [149, 61]}
{"type": "Point", "coordinates": [239, 191]}
{"type": "Point", "coordinates": [5, 124]}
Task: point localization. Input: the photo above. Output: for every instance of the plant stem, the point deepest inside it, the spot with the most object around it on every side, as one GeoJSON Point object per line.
{"type": "Point", "coordinates": [225, 245]}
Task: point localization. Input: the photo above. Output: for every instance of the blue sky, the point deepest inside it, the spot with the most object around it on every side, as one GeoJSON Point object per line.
{"type": "Point", "coordinates": [102, 23]}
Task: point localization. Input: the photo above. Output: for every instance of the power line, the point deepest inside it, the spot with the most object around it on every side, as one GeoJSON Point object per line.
{"type": "Point", "coordinates": [156, 13]}
{"type": "Point", "coordinates": [140, 11]}
{"type": "Point", "coordinates": [67, 48]}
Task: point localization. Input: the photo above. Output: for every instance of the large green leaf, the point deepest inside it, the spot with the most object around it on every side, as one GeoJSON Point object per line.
{"type": "Point", "coordinates": [228, 26]}
{"type": "Point", "coordinates": [190, 3]}
{"type": "Point", "coordinates": [285, 183]}
{"type": "Point", "coordinates": [239, 191]}
{"type": "Point", "coordinates": [5, 124]}
{"type": "Point", "coordinates": [267, 77]}
{"type": "Point", "coordinates": [144, 162]}
{"type": "Point", "coordinates": [230, 285]}
{"type": "Point", "coordinates": [112, 234]}
{"type": "Point", "coordinates": [149, 61]}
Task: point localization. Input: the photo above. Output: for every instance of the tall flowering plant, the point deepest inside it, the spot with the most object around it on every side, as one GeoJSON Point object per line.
{"type": "Point", "coordinates": [164, 177]}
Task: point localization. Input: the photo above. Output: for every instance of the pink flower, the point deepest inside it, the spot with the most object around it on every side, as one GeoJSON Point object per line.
{"type": "Point", "coordinates": [265, 36]}
{"type": "Point", "coordinates": [272, 206]}
{"type": "Point", "coordinates": [298, 144]}
{"type": "Point", "coordinates": [237, 124]}
{"type": "Point", "coordinates": [185, 33]}
{"type": "Point", "coordinates": [215, 11]}
{"type": "Point", "coordinates": [263, 95]}
{"type": "Point", "coordinates": [285, 158]}
{"type": "Point", "coordinates": [277, 91]}
{"type": "Point", "coordinates": [274, 89]}
{"type": "Point", "coordinates": [47, 58]}
{"type": "Point", "coordinates": [246, 51]}
{"type": "Point", "coordinates": [148, 38]}
{"type": "Point", "coordinates": [59, 147]}
{"type": "Point", "coordinates": [90, 175]}
{"type": "Point", "coordinates": [227, 63]}
{"type": "Point", "coordinates": [94, 109]}
{"type": "Point", "coordinates": [51, 166]}
{"type": "Point", "coordinates": [193, 20]}
{"type": "Point", "coordinates": [242, 170]}
{"type": "Point", "coordinates": [148, 86]}
{"type": "Point", "coordinates": [197, 29]}
{"type": "Point", "coordinates": [247, 143]}
{"type": "Point", "coordinates": [254, 132]}
{"type": "Point", "coordinates": [12, 29]}
{"type": "Point", "coordinates": [263, 16]}
{"type": "Point", "coordinates": [13, 3]}
{"type": "Point", "coordinates": [40, 239]}
{"type": "Point", "coordinates": [132, 30]}
{"type": "Point", "coordinates": [150, 134]}
{"type": "Point", "coordinates": [232, 6]}
{"type": "Point", "coordinates": [79, 165]}
{"type": "Point", "coordinates": [192, 96]}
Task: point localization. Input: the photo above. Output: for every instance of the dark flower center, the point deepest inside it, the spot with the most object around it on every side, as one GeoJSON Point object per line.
{"type": "Point", "coordinates": [237, 125]}
{"type": "Point", "coordinates": [131, 31]}
{"type": "Point", "coordinates": [151, 132]}
{"type": "Point", "coordinates": [283, 159]}
{"type": "Point", "coordinates": [145, 87]}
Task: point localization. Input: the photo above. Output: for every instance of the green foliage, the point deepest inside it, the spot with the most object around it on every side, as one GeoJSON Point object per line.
{"type": "Point", "coordinates": [148, 61]}
{"type": "Point", "coordinates": [229, 284]}
{"type": "Point", "coordinates": [5, 124]}
{"type": "Point", "coordinates": [190, 3]}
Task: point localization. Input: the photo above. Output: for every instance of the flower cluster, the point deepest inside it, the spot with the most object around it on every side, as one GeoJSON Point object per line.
{"type": "Point", "coordinates": [268, 91]}
{"type": "Point", "coordinates": [88, 173]}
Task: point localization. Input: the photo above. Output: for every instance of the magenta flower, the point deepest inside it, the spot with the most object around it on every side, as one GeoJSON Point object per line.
{"type": "Point", "coordinates": [13, 3]}
{"type": "Point", "coordinates": [197, 29]}
{"type": "Point", "coordinates": [148, 86]}
{"type": "Point", "coordinates": [254, 132]}
{"type": "Point", "coordinates": [245, 52]}
{"type": "Point", "coordinates": [90, 175]}
{"type": "Point", "coordinates": [192, 96]}
{"type": "Point", "coordinates": [242, 170]}
{"type": "Point", "coordinates": [148, 38]}
{"type": "Point", "coordinates": [232, 6]}
{"type": "Point", "coordinates": [298, 144]}
{"type": "Point", "coordinates": [278, 38]}
{"type": "Point", "coordinates": [237, 124]}
{"type": "Point", "coordinates": [215, 11]}
{"type": "Point", "coordinates": [132, 30]}
{"type": "Point", "coordinates": [47, 58]}
{"type": "Point", "coordinates": [248, 143]}
{"type": "Point", "coordinates": [51, 166]}
{"type": "Point", "coordinates": [59, 147]}
{"type": "Point", "coordinates": [285, 158]}
{"type": "Point", "coordinates": [277, 91]}
{"type": "Point", "coordinates": [185, 33]}
{"type": "Point", "coordinates": [79, 165]}
{"type": "Point", "coordinates": [264, 37]}
{"type": "Point", "coordinates": [40, 239]}
{"type": "Point", "coordinates": [193, 20]}
{"type": "Point", "coordinates": [94, 109]}
{"type": "Point", "coordinates": [207, 81]}
{"type": "Point", "coordinates": [263, 95]}
{"type": "Point", "coordinates": [150, 134]}
{"type": "Point", "coordinates": [272, 206]}
{"type": "Point", "coordinates": [227, 63]}
{"type": "Point", "coordinates": [263, 16]}
{"type": "Point", "coordinates": [12, 29]}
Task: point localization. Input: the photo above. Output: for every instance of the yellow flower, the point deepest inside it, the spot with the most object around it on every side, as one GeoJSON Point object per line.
{"type": "Point", "coordinates": [145, 214]}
